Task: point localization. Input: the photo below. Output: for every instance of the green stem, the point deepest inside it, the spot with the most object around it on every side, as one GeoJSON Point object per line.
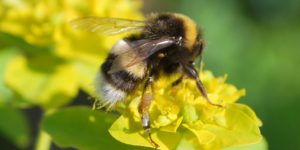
{"type": "Point", "coordinates": [43, 141]}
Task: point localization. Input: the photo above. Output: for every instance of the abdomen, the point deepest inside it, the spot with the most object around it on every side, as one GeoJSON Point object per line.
{"type": "Point", "coordinates": [114, 86]}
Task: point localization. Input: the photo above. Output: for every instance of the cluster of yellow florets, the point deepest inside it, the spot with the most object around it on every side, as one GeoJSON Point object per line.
{"type": "Point", "coordinates": [181, 115]}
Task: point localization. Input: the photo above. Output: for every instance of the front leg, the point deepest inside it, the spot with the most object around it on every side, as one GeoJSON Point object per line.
{"type": "Point", "coordinates": [144, 109]}
{"type": "Point", "coordinates": [190, 70]}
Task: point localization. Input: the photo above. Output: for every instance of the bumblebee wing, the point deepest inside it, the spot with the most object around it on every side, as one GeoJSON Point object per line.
{"type": "Point", "coordinates": [139, 51]}
{"type": "Point", "coordinates": [110, 26]}
{"type": "Point", "coordinates": [148, 48]}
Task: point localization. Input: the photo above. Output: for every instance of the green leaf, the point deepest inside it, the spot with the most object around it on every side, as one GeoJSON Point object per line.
{"type": "Point", "coordinates": [5, 56]}
{"type": "Point", "coordinates": [14, 126]}
{"type": "Point", "coordinates": [82, 128]}
{"type": "Point", "coordinates": [10, 40]}
{"type": "Point", "coordinates": [8, 95]}
{"type": "Point", "coordinates": [42, 82]}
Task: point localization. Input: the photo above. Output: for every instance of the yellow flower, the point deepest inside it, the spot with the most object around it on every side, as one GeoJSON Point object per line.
{"type": "Point", "coordinates": [39, 21]}
{"type": "Point", "coordinates": [182, 113]}
{"type": "Point", "coordinates": [55, 60]}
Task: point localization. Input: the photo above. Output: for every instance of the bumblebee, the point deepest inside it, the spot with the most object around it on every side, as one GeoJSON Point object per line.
{"type": "Point", "coordinates": [164, 43]}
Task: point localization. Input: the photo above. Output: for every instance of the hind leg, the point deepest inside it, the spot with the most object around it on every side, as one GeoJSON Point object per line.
{"type": "Point", "coordinates": [144, 109]}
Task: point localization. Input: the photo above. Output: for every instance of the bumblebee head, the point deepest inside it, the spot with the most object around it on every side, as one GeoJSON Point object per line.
{"type": "Point", "coordinates": [174, 25]}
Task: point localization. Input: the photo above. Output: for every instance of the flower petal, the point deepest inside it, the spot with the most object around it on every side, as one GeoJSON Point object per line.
{"type": "Point", "coordinates": [128, 133]}
{"type": "Point", "coordinates": [132, 133]}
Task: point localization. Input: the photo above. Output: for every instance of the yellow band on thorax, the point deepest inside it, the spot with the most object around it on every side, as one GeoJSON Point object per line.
{"type": "Point", "coordinates": [190, 29]}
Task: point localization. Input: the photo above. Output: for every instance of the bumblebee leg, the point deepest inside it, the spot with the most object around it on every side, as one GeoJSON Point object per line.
{"type": "Point", "coordinates": [192, 72]}
{"type": "Point", "coordinates": [176, 82]}
{"type": "Point", "coordinates": [144, 110]}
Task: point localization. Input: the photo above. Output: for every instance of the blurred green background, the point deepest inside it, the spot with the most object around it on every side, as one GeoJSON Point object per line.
{"type": "Point", "coordinates": [257, 43]}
